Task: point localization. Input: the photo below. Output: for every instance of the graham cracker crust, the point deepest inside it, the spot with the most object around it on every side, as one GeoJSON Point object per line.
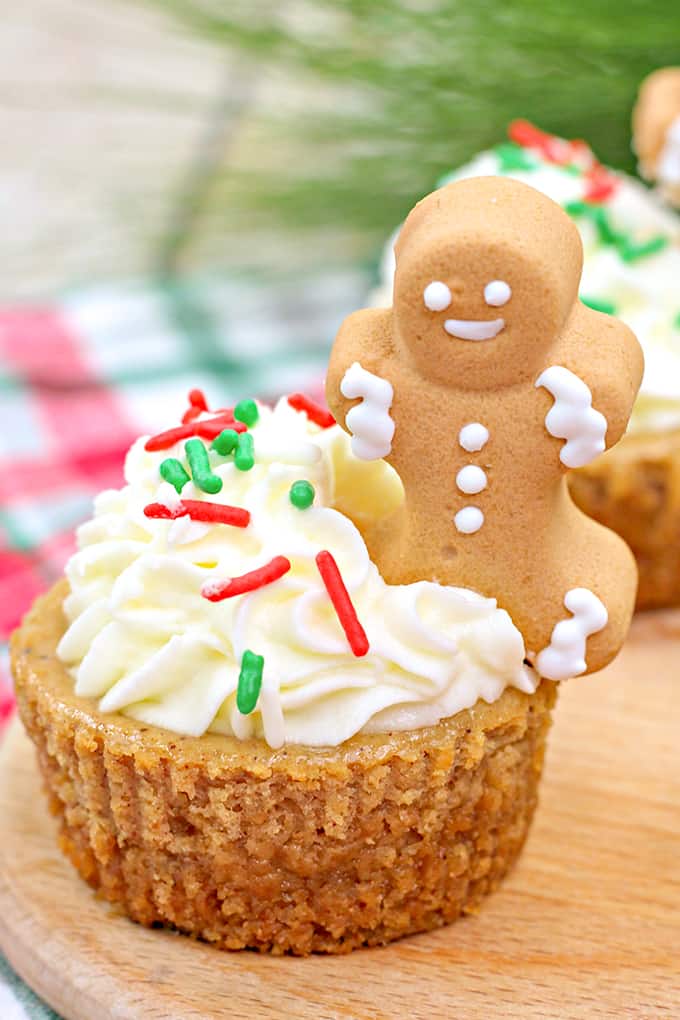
{"type": "Point", "coordinates": [298, 850]}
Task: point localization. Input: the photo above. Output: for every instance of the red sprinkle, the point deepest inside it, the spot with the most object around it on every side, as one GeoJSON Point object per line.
{"type": "Point", "coordinates": [197, 405]}
{"type": "Point", "coordinates": [197, 399]}
{"type": "Point", "coordinates": [191, 414]}
{"type": "Point", "coordinates": [529, 136]}
{"type": "Point", "coordinates": [216, 591]}
{"type": "Point", "coordinates": [163, 512]}
{"type": "Point", "coordinates": [600, 185]}
{"type": "Point", "coordinates": [342, 603]}
{"type": "Point", "coordinates": [200, 510]}
{"type": "Point", "coordinates": [555, 149]}
{"type": "Point", "coordinates": [524, 133]}
{"type": "Point", "coordinates": [581, 148]}
{"type": "Point", "coordinates": [166, 439]}
{"type": "Point", "coordinates": [315, 412]}
{"type": "Point", "coordinates": [209, 428]}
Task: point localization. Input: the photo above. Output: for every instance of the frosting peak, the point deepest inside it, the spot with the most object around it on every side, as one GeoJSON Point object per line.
{"type": "Point", "coordinates": [151, 636]}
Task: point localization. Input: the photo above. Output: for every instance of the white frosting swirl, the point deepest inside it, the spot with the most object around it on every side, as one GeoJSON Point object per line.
{"type": "Point", "coordinates": [145, 642]}
{"type": "Point", "coordinates": [644, 293]}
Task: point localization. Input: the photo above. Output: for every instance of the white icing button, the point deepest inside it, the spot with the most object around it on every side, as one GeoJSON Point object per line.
{"type": "Point", "coordinates": [468, 520]}
{"type": "Point", "coordinates": [471, 479]}
{"type": "Point", "coordinates": [497, 293]}
{"type": "Point", "coordinates": [473, 437]}
{"type": "Point", "coordinates": [437, 296]}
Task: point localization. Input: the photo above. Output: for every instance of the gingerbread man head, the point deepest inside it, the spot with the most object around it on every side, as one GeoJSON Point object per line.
{"type": "Point", "coordinates": [487, 274]}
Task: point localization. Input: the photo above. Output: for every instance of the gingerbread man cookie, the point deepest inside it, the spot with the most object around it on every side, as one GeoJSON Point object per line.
{"type": "Point", "coordinates": [482, 386]}
{"type": "Point", "coordinates": [656, 131]}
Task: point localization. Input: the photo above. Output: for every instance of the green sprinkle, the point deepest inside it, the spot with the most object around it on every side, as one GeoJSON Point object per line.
{"type": "Point", "coordinates": [629, 251]}
{"type": "Point", "coordinates": [577, 208]}
{"type": "Point", "coordinates": [173, 472]}
{"type": "Point", "coordinates": [599, 305]}
{"type": "Point", "coordinates": [572, 168]}
{"type": "Point", "coordinates": [606, 232]}
{"type": "Point", "coordinates": [301, 494]}
{"type": "Point", "coordinates": [199, 464]}
{"type": "Point", "coordinates": [249, 682]}
{"type": "Point", "coordinates": [244, 458]}
{"type": "Point", "coordinates": [247, 412]}
{"type": "Point", "coordinates": [226, 442]}
{"type": "Point", "coordinates": [676, 321]}
{"type": "Point", "coordinates": [514, 157]}
{"type": "Point", "coordinates": [598, 217]}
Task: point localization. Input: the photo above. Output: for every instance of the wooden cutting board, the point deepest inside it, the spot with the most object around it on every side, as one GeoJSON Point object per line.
{"type": "Point", "coordinates": [587, 926]}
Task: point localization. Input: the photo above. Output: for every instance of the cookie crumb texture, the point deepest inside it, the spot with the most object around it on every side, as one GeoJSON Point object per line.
{"type": "Point", "coordinates": [294, 851]}
{"type": "Point", "coordinates": [634, 489]}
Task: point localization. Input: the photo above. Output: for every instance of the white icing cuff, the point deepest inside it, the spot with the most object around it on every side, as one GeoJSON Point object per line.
{"type": "Point", "coordinates": [565, 656]}
{"type": "Point", "coordinates": [573, 417]}
{"type": "Point", "coordinates": [369, 422]}
{"type": "Point", "coordinates": [668, 164]}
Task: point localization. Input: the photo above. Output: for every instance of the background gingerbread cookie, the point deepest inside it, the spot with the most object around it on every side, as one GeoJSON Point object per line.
{"type": "Point", "coordinates": [656, 131]}
{"type": "Point", "coordinates": [484, 383]}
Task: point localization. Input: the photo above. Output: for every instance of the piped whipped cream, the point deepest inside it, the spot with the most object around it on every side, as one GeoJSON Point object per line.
{"type": "Point", "coordinates": [643, 291]}
{"type": "Point", "coordinates": [144, 641]}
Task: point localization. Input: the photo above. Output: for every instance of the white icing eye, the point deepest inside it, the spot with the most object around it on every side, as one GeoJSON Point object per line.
{"type": "Point", "coordinates": [437, 296]}
{"type": "Point", "coordinates": [497, 293]}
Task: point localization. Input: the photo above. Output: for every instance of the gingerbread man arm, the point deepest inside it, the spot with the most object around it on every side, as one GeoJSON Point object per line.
{"type": "Point", "coordinates": [358, 387]}
{"type": "Point", "coordinates": [592, 406]}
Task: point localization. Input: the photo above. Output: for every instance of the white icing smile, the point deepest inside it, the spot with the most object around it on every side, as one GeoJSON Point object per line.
{"type": "Point", "coordinates": [474, 329]}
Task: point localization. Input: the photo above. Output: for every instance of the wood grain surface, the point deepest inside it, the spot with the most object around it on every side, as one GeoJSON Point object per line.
{"type": "Point", "coordinates": [587, 926]}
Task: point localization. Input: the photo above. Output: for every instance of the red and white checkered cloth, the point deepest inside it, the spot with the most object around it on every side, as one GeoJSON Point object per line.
{"type": "Point", "coordinates": [81, 380]}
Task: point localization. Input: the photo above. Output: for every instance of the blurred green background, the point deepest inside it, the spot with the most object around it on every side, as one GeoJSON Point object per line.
{"type": "Point", "coordinates": [160, 136]}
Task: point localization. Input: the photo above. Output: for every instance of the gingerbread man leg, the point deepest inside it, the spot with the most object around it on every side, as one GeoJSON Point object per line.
{"type": "Point", "coordinates": [565, 656]}
{"type": "Point", "coordinates": [596, 611]}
